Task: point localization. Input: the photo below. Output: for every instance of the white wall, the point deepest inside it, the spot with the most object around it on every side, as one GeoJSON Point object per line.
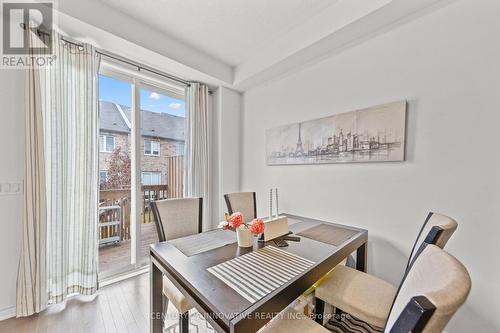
{"type": "Point", "coordinates": [11, 170]}
{"type": "Point", "coordinates": [447, 65]}
{"type": "Point", "coordinates": [227, 146]}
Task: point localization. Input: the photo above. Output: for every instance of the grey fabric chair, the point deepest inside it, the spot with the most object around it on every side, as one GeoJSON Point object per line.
{"type": "Point", "coordinates": [175, 218]}
{"type": "Point", "coordinates": [437, 229]}
{"type": "Point", "coordinates": [243, 202]}
{"type": "Point", "coordinates": [367, 297]}
{"type": "Point", "coordinates": [434, 288]}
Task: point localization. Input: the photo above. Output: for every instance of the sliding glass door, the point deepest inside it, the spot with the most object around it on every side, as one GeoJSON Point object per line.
{"type": "Point", "coordinates": [163, 120]}
{"type": "Point", "coordinates": [142, 128]}
{"type": "Point", "coordinates": [115, 171]}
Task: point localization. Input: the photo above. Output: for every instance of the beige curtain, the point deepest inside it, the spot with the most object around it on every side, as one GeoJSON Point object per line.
{"type": "Point", "coordinates": [59, 240]}
{"type": "Point", "coordinates": [31, 280]}
{"type": "Point", "coordinates": [196, 154]}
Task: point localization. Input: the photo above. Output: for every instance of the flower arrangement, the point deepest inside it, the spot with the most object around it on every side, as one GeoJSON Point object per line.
{"type": "Point", "coordinates": [236, 220]}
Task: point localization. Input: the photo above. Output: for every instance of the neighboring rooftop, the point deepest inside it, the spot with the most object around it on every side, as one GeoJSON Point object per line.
{"type": "Point", "coordinates": [153, 124]}
{"type": "Point", "coordinates": [110, 118]}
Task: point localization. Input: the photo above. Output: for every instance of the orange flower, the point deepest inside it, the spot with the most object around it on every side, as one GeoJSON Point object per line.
{"type": "Point", "coordinates": [236, 220]}
{"type": "Point", "coordinates": [257, 226]}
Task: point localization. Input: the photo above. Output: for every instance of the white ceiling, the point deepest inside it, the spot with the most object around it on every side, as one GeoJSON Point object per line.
{"type": "Point", "coordinates": [242, 43]}
{"type": "Point", "coordinates": [229, 30]}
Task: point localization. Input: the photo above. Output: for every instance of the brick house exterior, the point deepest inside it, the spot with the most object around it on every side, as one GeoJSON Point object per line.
{"type": "Point", "coordinates": [166, 129]}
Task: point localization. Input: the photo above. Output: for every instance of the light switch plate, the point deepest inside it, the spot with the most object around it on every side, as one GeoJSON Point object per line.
{"type": "Point", "coordinates": [5, 188]}
{"type": "Point", "coordinates": [15, 188]}
{"type": "Point", "coordinates": [11, 188]}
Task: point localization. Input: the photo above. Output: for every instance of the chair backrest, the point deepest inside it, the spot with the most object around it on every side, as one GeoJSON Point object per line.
{"type": "Point", "coordinates": [434, 288]}
{"type": "Point", "coordinates": [437, 229]}
{"type": "Point", "coordinates": [175, 218]}
{"type": "Point", "coordinates": [243, 202]}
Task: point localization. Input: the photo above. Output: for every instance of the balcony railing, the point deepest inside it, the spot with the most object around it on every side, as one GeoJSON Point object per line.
{"type": "Point", "coordinates": [114, 211]}
{"type": "Point", "coordinates": [115, 204]}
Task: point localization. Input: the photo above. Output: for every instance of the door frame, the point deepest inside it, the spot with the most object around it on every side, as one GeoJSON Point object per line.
{"type": "Point", "coordinates": [138, 80]}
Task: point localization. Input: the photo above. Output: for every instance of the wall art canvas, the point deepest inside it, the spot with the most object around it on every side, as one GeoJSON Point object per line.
{"type": "Point", "coordinates": [375, 134]}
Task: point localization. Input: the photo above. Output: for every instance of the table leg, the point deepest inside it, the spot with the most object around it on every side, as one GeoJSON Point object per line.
{"type": "Point", "coordinates": [361, 257]}
{"type": "Point", "coordinates": [184, 322]}
{"type": "Point", "coordinates": [156, 308]}
{"type": "Point", "coordinates": [319, 311]}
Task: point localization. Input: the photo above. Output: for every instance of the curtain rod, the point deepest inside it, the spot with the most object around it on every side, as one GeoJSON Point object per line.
{"type": "Point", "coordinates": [142, 67]}
{"type": "Point", "coordinates": [129, 62]}
{"type": "Point", "coordinates": [135, 64]}
{"type": "Point", "coordinates": [122, 59]}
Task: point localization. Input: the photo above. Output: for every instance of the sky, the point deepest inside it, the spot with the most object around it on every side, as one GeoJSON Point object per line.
{"type": "Point", "coordinates": [119, 92]}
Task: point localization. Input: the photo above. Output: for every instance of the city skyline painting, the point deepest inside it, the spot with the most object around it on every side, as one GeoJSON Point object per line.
{"type": "Point", "coordinates": [374, 134]}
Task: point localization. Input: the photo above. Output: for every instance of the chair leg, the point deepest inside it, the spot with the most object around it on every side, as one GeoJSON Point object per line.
{"type": "Point", "coordinates": [338, 314]}
{"type": "Point", "coordinates": [319, 311]}
{"type": "Point", "coordinates": [184, 322]}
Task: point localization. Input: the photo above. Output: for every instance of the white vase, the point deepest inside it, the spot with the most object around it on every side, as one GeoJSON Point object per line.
{"type": "Point", "coordinates": [245, 237]}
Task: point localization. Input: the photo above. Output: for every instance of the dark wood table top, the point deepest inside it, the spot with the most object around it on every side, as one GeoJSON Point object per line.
{"type": "Point", "coordinates": [213, 297]}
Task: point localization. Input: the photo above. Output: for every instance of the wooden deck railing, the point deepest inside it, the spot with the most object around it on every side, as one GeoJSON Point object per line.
{"type": "Point", "coordinates": [151, 193]}
{"type": "Point", "coordinates": [115, 204]}
{"type": "Point", "coordinates": [121, 199]}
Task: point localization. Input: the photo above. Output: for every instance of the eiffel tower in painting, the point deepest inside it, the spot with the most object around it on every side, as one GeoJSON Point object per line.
{"type": "Point", "coordinates": [299, 151]}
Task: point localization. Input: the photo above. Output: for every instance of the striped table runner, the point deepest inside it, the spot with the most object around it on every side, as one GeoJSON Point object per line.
{"type": "Point", "coordinates": [256, 274]}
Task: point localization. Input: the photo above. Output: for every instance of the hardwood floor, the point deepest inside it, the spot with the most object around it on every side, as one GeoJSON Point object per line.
{"type": "Point", "coordinates": [119, 307]}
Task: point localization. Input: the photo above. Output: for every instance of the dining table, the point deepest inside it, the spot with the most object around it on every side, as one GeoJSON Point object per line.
{"type": "Point", "coordinates": [240, 289]}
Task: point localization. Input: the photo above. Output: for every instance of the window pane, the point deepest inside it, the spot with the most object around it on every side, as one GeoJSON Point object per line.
{"type": "Point", "coordinates": [103, 177]}
{"type": "Point", "coordinates": [162, 127]}
{"type": "Point", "coordinates": [155, 148]}
{"type": "Point", "coordinates": [115, 91]}
{"type": "Point", "coordinates": [101, 143]}
{"type": "Point", "coordinates": [155, 178]}
{"type": "Point", "coordinates": [146, 178]}
{"type": "Point", "coordinates": [110, 143]}
{"type": "Point", "coordinates": [152, 101]}
{"type": "Point", "coordinates": [115, 218]}
{"type": "Point", "coordinates": [151, 147]}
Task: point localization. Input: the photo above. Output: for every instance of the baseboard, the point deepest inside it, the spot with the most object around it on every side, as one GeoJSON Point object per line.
{"type": "Point", "coordinates": [7, 313]}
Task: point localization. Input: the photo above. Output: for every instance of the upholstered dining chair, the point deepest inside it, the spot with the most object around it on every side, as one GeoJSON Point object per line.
{"type": "Point", "coordinates": [433, 289]}
{"type": "Point", "coordinates": [437, 229]}
{"type": "Point", "coordinates": [175, 218]}
{"type": "Point", "coordinates": [366, 297]}
{"type": "Point", "coordinates": [243, 202]}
